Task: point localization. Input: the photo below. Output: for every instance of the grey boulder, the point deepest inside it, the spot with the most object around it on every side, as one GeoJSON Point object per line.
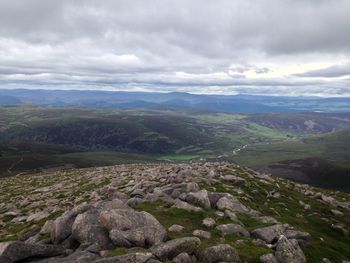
{"type": "Point", "coordinates": [172, 248]}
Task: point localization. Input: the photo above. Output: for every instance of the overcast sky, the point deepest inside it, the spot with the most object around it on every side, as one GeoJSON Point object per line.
{"type": "Point", "coordinates": [279, 47]}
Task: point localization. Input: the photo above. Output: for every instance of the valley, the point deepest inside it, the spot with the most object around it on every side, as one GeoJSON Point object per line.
{"type": "Point", "coordinates": [308, 147]}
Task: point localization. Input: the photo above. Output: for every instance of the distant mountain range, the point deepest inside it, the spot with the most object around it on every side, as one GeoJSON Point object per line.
{"type": "Point", "coordinates": [149, 100]}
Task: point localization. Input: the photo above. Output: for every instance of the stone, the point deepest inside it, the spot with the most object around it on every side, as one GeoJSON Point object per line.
{"type": "Point", "coordinates": [127, 219]}
{"type": "Point", "coordinates": [268, 258]}
{"type": "Point", "coordinates": [233, 229]}
{"type": "Point", "coordinates": [269, 234]}
{"type": "Point", "coordinates": [288, 251]}
{"type": "Point", "coordinates": [208, 222]}
{"type": "Point", "coordinates": [137, 193]}
{"type": "Point", "coordinates": [16, 251]}
{"type": "Point", "coordinates": [175, 228]}
{"type": "Point", "coordinates": [76, 257]}
{"type": "Point", "coordinates": [88, 230]}
{"type": "Point", "coordinates": [128, 258]}
{"type": "Point", "coordinates": [37, 216]}
{"type": "Point", "coordinates": [231, 215]}
{"type": "Point", "coordinates": [172, 248]}
{"type": "Point", "coordinates": [220, 253]}
{"type": "Point", "coordinates": [47, 227]}
{"type": "Point", "coordinates": [199, 198]}
{"type": "Point", "coordinates": [340, 227]}
{"type": "Point", "coordinates": [128, 238]}
{"type": "Point", "coordinates": [231, 203]}
{"type": "Point", "coordinates": [337, 213]}
{"type": "Point", "coordinates": [302, 237]}
{"type": "Point", "coordinates": [235, 180]}
{"type": "Point", "coordinates": [62, 226]}
{"type": "Point", "coordinates": [201, 234]}
{"type": "Point", "coordinates": [182, 258]}
{"type": "Point", "coordinates": [192, 187]}
{"type": "Point", "coordinates": [186, 206]}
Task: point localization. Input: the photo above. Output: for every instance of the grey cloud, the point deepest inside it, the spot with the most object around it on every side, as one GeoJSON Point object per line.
{"type": "Point", "coordinates": [117, 44]}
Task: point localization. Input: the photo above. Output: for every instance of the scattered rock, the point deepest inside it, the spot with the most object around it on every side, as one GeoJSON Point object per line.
{"type": "Point", "coordinates": [16, 251]}
{"type": "Point", "coordinates": [201, 234]}
{"type": "Point", "coordinates": [199, 198]}
{"type": "Point", "coordinates": [172, 248]}
{"type": "Point", "coordinates": [208, 222]}
{"type": "Point", "coordinates": [128, 258]}
{"type": "Point", "coordinates": [175, 228]}
{"type": "Point", "coordinates": [233, 229]}
{"type": "Point", "coordinates": [268, 258]}
{"type": "Point", "coordinates": [182, 258]}
{"type": "Point", "coordinates": [122, 219]}
{"type": "Point", "coordinates": [269, 233]}
{"type": "Point", "coordinates": [288, 251]}
{"type": "Point", "coordinates": [220, 253]}
{"type": "Point", "coordinates": [231, 203]}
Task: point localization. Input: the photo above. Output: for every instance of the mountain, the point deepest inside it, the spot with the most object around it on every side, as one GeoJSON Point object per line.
{"type": "Point", "coordinates": [137, 100]}
{"type": "Point", "coordinates": [199, 212]}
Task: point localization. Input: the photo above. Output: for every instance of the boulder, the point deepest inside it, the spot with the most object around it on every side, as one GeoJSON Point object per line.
{"type": "Point", "coordinates": [88, 230]}
{"type": "Point", "coordinates": [201, 234]}
{"type": "Point", "coordinates": [128, 219]}
{"type": "Point", "coordinates": [186, 206]}
{"type": "Point", "coordinates": [192, 187]}
{"type": "Point", "coordinates": [268, 258]}
{"type": "Point", "coordinates": [175, 228]}
{"type": "Point", "coordinates": [302, 237]}
{"type": "Point", "coordinates": [269, 234]}
{"type": "Point", "coordinates": [128, 258]}
{"type": "Point", "coordinates": [288, 251]}
{"type": "Point", "coordinates": [76, 257]}
{"type": "Point", "coordinates": [208, 222]}
{"type": "Point", "coordinates": [232, 179]}
{"type": "Point", "coordinates": [233, 229]}
{"type": "Point", "coordinates": [182, 258]}
{"type": "Point", "coordinates": [231, 203]}
{"type": "Point", "coordinates": [172, 248]}
{"type": "Point", "coordinates": [128, 238]}
{"type": "Point", "coordinates": [199, 198]}
{"type": "Point", "coordinates": [16, 251]}
{"type": "Point", "coordinates": [220, 253]}
{"type": "Point", "coordinates": [62, 226]}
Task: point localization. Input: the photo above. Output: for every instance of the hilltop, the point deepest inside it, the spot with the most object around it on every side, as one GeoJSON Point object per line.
{"type": "Point", "coordinates": [195, 212]}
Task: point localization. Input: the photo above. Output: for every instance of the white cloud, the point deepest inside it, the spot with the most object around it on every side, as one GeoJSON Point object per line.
{"type": "Point", "coordinates": [275, 47]}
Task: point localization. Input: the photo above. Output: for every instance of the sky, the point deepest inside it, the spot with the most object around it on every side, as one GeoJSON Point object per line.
{"type": "Point", "coordinates": [266, 47]}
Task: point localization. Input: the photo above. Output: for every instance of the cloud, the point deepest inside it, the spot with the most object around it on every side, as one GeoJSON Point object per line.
{"type": "Point", "coordinates": [219, 46]}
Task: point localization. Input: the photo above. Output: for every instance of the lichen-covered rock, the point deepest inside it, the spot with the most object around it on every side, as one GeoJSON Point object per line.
{"type": "Point", "coordinates": [231, 203]}
{"type": "Point", "coordinates": [128, 238]}
{"type": "Point", "coordinates": [201, 234]}
{"type": "Point", "coordinates": [128, 258]}
{"type": "Point", "coordinates": [288, 251]}
{"type": "Point", "coordinates": [62, 226]}
{"type": "Point", "coordinates": [233, 229]}
{"type": "Point", "coordinates": [88, 230]}
{"type": "Point", "coordinates": [16, 251]}
{"type": "Point", "coordinates": [182, 258]}
{"type": "Point", "coordinates": [175, 228]}
{"type": "Point", "coordinates": [199, 198]}
{"type": "Point", "coordinates": [127, 219]}
{"type": "Point", "coordinates": [269, 233]}
{"type": "Point", "coordinates": [172, 248]}
{"type": "Point", "coordinates": [208, 222]}
{"type": "Point", "coordinates": [220, 253]}
{"type": "Point", "coordinates": [268, 258]}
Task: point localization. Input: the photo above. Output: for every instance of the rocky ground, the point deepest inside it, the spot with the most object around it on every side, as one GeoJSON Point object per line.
{"type": "Point", "coordinates": [203, 212]}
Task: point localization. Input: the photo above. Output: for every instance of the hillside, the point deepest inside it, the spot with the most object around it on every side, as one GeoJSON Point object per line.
{"type": "Point", "coordinates": [311, 147]}
{"type": "Point", "coordinates": [200, 212]}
